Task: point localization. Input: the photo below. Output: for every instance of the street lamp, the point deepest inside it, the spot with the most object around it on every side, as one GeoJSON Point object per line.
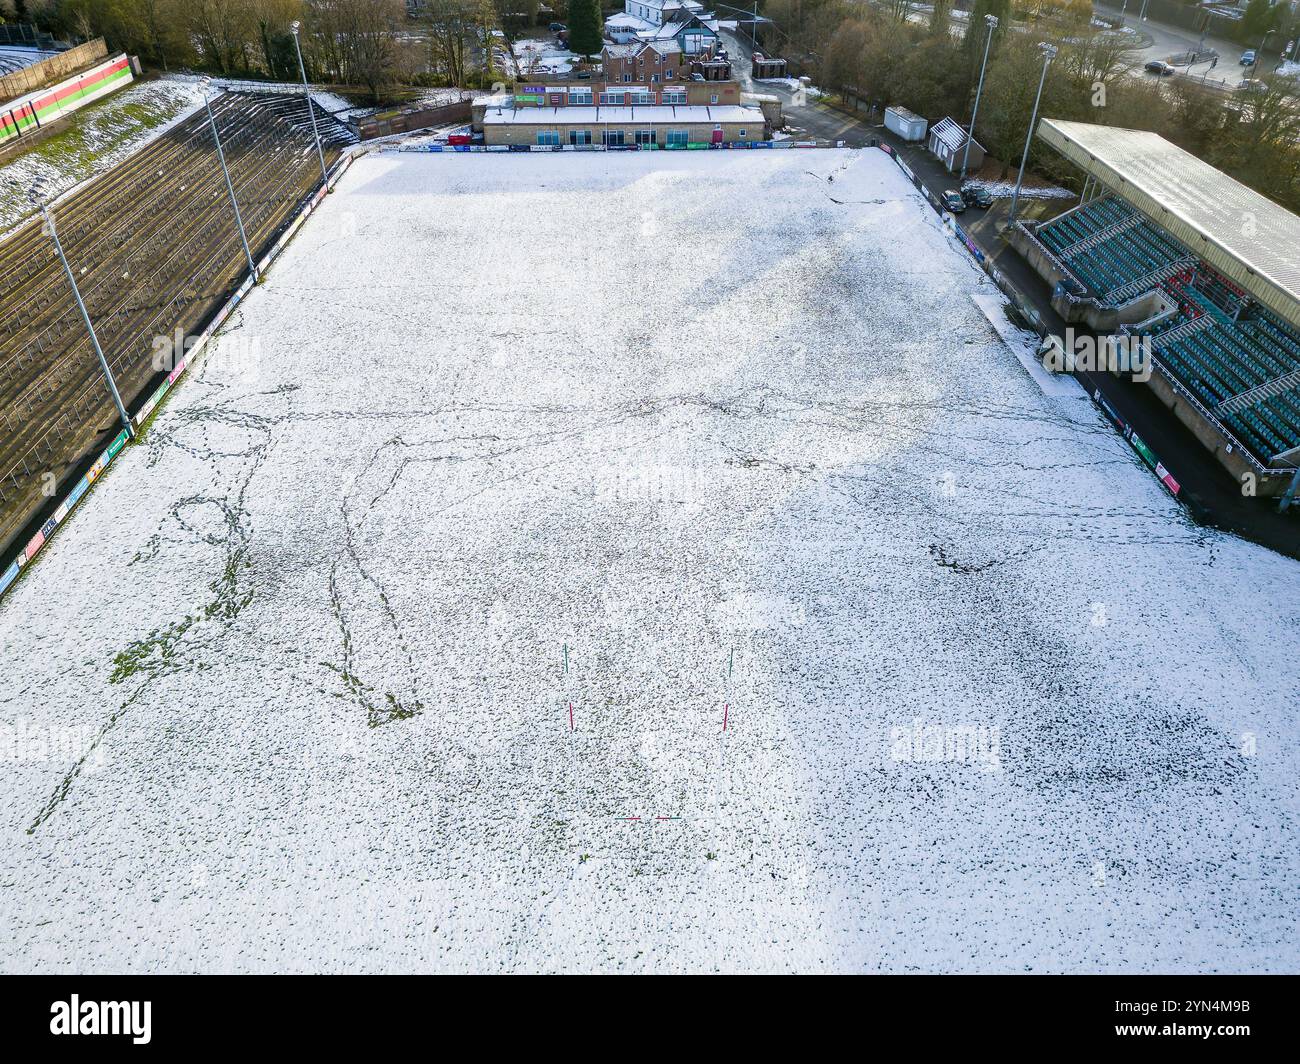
{"type": "Point", "coordinates": [992, 22]}
{"type": "Point", "coordinates": [294, 27]}
{"type": "Point", "coordinates": [85, 314]}
{"type": "Point", "coordinates": [1259, 54]}
{"type": "Point", "coordinates": [1049, 53]}
{"type": "Point", "coordinates": [221, 155]}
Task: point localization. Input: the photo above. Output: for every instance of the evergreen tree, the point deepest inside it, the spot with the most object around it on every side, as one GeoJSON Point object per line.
{"type": "Point", "coordinates": [585, 27]}
{"type": "Point", "coordinates": [977, 32]}
{"type": "Point", "coordinates": [1257, 20]}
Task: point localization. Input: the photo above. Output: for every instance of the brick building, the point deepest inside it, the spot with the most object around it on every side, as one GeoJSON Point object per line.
{"type": "Point", "coordinates": [660, 126]}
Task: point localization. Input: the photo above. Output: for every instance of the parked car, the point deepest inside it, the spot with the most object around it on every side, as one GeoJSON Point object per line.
{"type": "Point", "coordinates": [1159, 66]}
{"type": "Point", "coordinates": [557, 26]}
{"type": "Point", "coordinates": [977, 196]}
{"type": "Point", "coordinates": [1253, 85]}
{"type": "Point", "coordinates": [1247, 57]}
{"type": "Point", "coordinates": [952, 201]}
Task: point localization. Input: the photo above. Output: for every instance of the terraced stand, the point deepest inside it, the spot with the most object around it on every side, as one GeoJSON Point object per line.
{"type": "Point", "coordinates": [155, 248]}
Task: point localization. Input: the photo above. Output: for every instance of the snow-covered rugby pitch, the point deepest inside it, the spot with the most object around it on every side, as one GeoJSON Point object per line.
{"type": "Point", "coordinates": [667, 439]}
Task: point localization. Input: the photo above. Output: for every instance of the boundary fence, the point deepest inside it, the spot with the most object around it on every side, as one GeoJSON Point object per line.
{"type": "Point", "coordinates": [32, 77]}
{"type": "Point", "coordinates": [695, 146]}
{"type": "Point", "coordinates": [26, 115]}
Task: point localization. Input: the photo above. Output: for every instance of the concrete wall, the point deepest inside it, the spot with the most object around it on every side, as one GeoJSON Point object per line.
{"type": "Point", "coordinates": [52, 69]}
{"type": "Point", "coordinates": [409, 121]}
{"type": "Point", "coordinates": [1212, 438]}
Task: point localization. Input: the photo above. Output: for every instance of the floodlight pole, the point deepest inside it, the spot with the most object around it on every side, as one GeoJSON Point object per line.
{"type": "Point", "coordinates": [234, 203]}
{"type": "Point", "coordinates": [1259, 53]}
{"type": "Point", "coordinates": [992, 22]}
{"type": "Point", "coordinates": [1049, 51]}
{"type": "Point", "coordinates": [306, 92]}
{"type": "Point", "coordinates": [90, 328]}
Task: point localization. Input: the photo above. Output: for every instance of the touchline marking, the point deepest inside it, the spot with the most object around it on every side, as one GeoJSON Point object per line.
{"type": "Point", "coordinates": [724, 716]}
{"type": "Point", "coordinates": [570, 716]}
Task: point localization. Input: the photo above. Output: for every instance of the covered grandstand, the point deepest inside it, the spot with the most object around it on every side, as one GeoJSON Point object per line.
{"type": "Point", "coordinates": [1164, 246]}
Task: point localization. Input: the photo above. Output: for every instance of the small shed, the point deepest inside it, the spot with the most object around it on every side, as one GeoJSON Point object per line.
{"type": "Point", "coordinates": [907, 125]}
{"type": "Point", "coordinates": [948, 145]}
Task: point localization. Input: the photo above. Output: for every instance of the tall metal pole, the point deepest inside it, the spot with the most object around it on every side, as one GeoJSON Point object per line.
{"type": "Point", "coordinates": [992, 22]}
{"type": "Point", "coordinates": [1259, 54]}
{"type": "Point", "coordinates": [1049, 51]}
{"type": "Point", "coordinates": [306, 92]}
{"type": "Point", "coordinates": [85, 316]}
{"type": "Point", "coordinates": [239, 221]}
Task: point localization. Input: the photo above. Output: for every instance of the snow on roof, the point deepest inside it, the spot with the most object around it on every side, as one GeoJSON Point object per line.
{"type": "Point", "coordinates": [674, 27]}
{"type": "Point", "coordinates": [653, 114]}
{"type": "Point", "coordinates": [1201, 206]}
{"type": "Point", "coordinates": [624, 20]}
{"type": "Point", "coordinates": [952, 135]}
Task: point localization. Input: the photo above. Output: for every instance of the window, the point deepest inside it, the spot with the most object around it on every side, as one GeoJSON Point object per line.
{"type": "Point", "coordinates": [676, 96]}
{"type": "Point", "coordinates": [579, 136]}
{"type": "Point", "coordinates": [654, 79]}
{"type": "Point", "coordinates": [645, 136]}
{"type": "Point", "coordinates": [611, 97]}
{"type": "Point", "coordinates": [643, 97]}
{"type": "Point", "coordinates": [579, 97]}
{"type": "Point", "coordinates": [627, 77]}
{"type": "Point", "coordinates": [613, 138]}
{"type": "Point", "coordinates": [713, 98]}
{"type": "Point", "coordinates": [678, 136]}
{"type": "Point", "coordinates": [741, 133]}
{"type": "Point", "coordinates": [668, 74]}
{"type": "Point", "coordinates": [548, 136]}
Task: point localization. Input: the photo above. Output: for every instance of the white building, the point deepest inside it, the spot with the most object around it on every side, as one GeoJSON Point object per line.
{"type": "Point", "coordinates": [655, 11]}
{"type": "Point", "coordinates": [625, 27]}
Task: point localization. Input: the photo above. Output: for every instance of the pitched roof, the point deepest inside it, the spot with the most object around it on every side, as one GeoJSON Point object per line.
{"type": "Point", "coordinates": [952, 135]}
{"type": "Point", "coordinates": [1202, 207]}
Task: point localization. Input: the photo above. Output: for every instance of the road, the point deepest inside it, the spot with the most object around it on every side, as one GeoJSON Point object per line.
{"type": "Point", "coordinates": [1169, 40]}
{"type": "Point", "coordinates": [803, 114]}
{"type": "Point", "coordinates": [1156, 40]}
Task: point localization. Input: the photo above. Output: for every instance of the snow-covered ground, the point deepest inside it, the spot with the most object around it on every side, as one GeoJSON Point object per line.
{"type": "Point", "coordinates": [1006, 189]}
{"type": "Point", "coordinates": [670, 439]}
{"type": "Point", "coordinates": [541, 56]}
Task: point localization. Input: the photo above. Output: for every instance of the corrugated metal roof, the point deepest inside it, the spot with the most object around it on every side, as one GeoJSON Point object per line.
{"type": "Point", "coordinates": [1244, 235]}
{"type": "Point", "coordinates": [952, 135]}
